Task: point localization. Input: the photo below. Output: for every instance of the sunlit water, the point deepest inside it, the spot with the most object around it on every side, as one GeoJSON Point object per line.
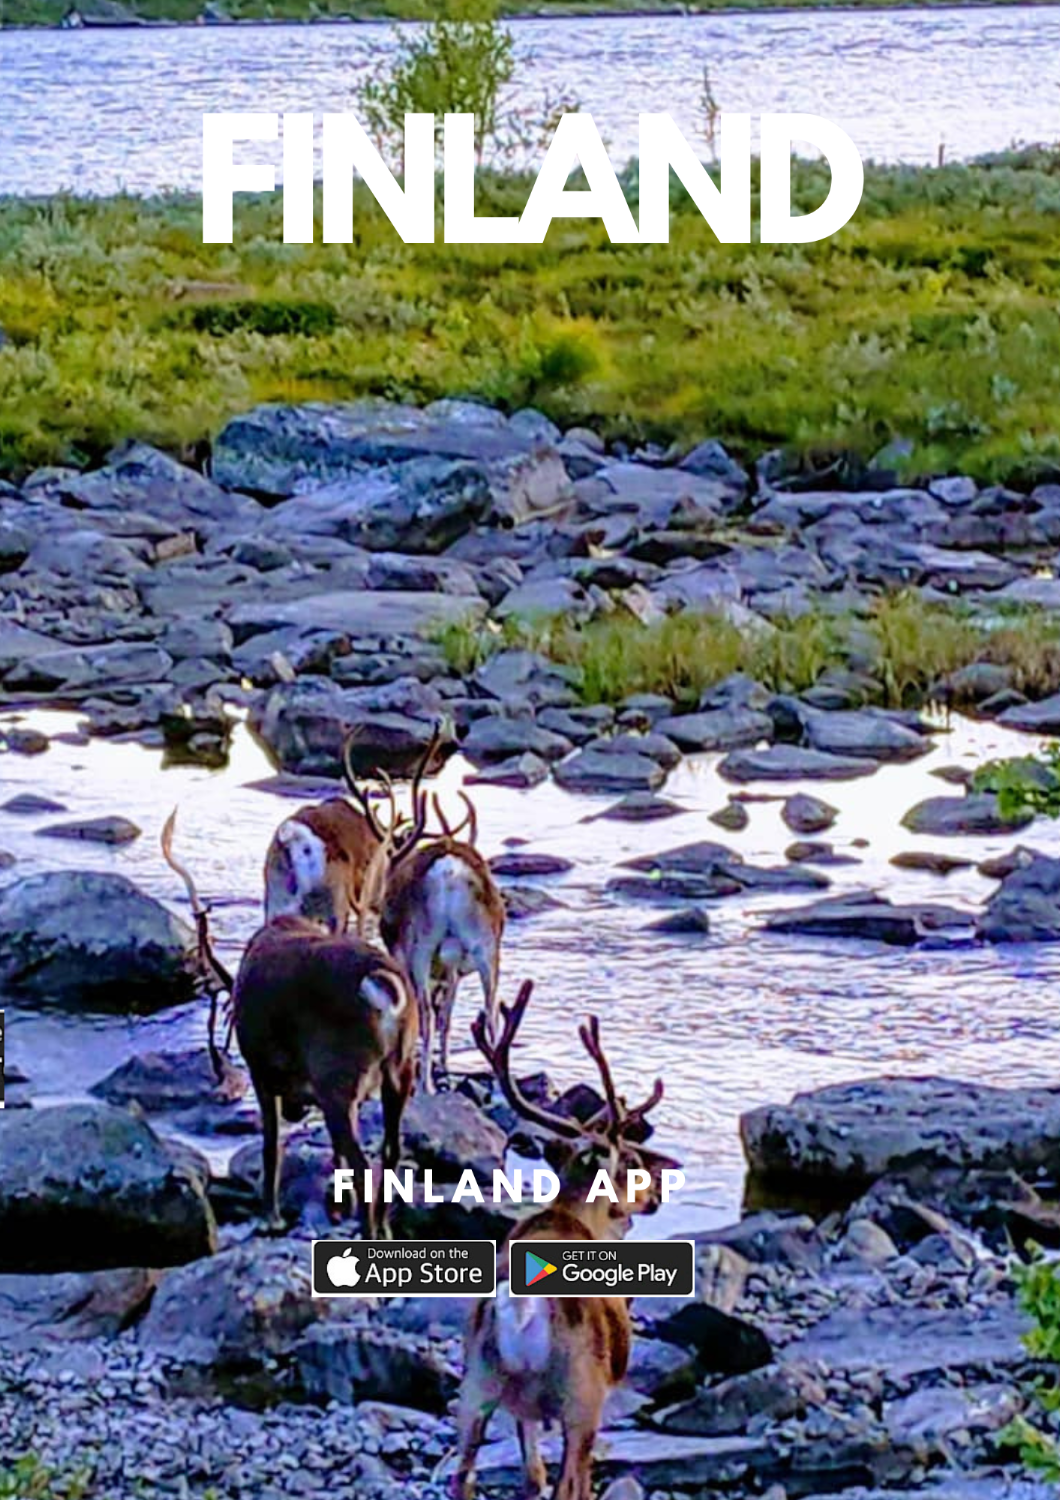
{"type": "Point", "coordinates": [730, 1021]}
{"type": "Point", "coordinates": [98, 111]}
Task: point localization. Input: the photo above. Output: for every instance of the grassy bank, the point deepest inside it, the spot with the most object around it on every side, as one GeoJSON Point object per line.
{"type": "Point", "coordinates": [181, 12]}
{"type": "Point", "coordinates": [899, 651]}
{"type": "Point", "coordinates": [931, 317]}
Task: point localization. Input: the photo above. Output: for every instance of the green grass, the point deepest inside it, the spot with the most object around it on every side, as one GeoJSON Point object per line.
{"type": "Point", "coordinates": [932, 316]}
{"type": "Point", "coordinates": [51, 12]}
{"type": "Point", "coordinates": [901, 649]}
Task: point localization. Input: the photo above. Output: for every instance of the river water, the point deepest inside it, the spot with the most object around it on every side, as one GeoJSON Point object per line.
{"type": "Point", "coordinates": [731, 1021]}
{"type": "Point", "coordinates": [99, 111]}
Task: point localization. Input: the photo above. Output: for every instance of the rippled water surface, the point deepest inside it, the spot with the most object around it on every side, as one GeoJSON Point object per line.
{"type": "Point", "coordinates": [730, 1021]}
{"type": "Point", "coordinates": [101, 110]}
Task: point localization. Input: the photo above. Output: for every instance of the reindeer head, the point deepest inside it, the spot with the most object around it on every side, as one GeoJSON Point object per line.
{"type": "Point", "coordinates": [610, 1139]}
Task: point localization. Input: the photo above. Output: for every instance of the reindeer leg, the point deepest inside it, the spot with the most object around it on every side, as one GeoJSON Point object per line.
{"type": "Point", "coordinates": [475, 1409]}
{"type": "Point", "coordinates": [533, 1464]}
{"type": "Point", "coordinates": [346, 1148]}
{"type": "Point", "coordinates": [269, 1105]}
{"type": "Point", "coordinates": [427, 1031]}
{"type": "Point", "coordinates": [446, 998]}
{"type": "Point", "coordinates": [580, 1427]}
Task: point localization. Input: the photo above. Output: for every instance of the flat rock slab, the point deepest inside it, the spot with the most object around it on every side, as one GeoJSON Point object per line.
{"type": "Point", "coordinates": [948, 817]}
{"type": "Point", "coordinates": [905, 1341]}
{"type": "Point", "coordinates": [993, 1486]}
{"type": "Point", "coordinates": [862, 914]}
{"type": "Point", "coordinates": [362, 612]}
{"type": "Point", "coordinates": [659, 1460]}
{"type": "Point", "coordinates": [848, 1135]}
{"type": "Point", "coordinates": [69, 1305]}
{"type": "Point", "coordinates": [793, 763]}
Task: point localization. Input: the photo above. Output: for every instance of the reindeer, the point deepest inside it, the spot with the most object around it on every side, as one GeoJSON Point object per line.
{"type": "Point", "coordinates": [322, 1018]}
{"type": "Point", "coordinates": [549, 1359]}
{"type": "Point", "coordinates": [443, 917]}
{"type": "Point", "coordinates": [328, 861]}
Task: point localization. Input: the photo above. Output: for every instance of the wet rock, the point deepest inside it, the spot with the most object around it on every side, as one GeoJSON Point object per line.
{"type": "Point", "coordinates": [1042, 717]}
{"type": "Point", "coordinates": [23, 741]}
{"type": "Point", "coordinates": [699, 858]}
{"type": "Point", "coordinates": [523, 901]}
{"type": "Point", "coordinates": [867, 733]}
{"type": "Point", "coordinates": [303, 726]}
{"type": "Point", "coordinates": [93, 941]}
{"type": "Point", "coordinates": [31, 804]}
{"type": "Point", "coordinates": [499, 739]}
{"type": "Point", "coordinates": [673, 888]}
{"type": "Point", "coordinates": [7, 861]}
{"type": "Point", "coordinates": [348, 1364]}
{"type": "Point", "coordinates": [161, 1081]}
{"type": "Point", "coordinates": [949, 817]}
{"type": "Point", "coordinates": [599, 772]}
{"type": "Point", "coordinates": [652, 744]}
{"type": "Point", "coordinates": [720, 729]}
{"type": "Point", "coordinates": [845, 1136]}
{"type": "Point", "coordinates": [640, 807]}
{"type": "Point", "coordinates": [688, 921]}
{"type": "Point", "coordinates": [805, 814]}
{"type": "Point", "coordinates": [528, 864]}
{"type": "Point", "coordinates": [1026, 906]}
{"type": "Point", "coordinates": [793, 763]}
{"type": "Point", "coordinates": [88, 1187]}
{"type": "Point", "coordinates": [63, 1306]}
{"type": "Point", "coordinates": [520, 772]}
{"type": "Point", "coordinates": [863, 914]}
{"type": "Point", "coordinates": [931, 860]}
{"type": "Point", "coordinates": [112, 831]}
{"type": "Point", "coordinates": [997, 867]}
{"type": "Point", "coordinates": [642, 711]}
{"type": "Point", "coordinates": [446, 1133]}
{"type": "Point", "coordinates": [733, 817]}
{"type": "Point", "coordinates": [579, 725]}
{"type": "Point", "coordinates": [817, 852]}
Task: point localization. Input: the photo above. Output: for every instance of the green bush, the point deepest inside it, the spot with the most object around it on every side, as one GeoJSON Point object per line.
{"type": "Point", "coordinates": [1038, 1287]}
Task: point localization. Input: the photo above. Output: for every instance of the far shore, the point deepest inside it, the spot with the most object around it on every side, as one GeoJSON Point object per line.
{"type": "Point", "coordinates": [56, 14]}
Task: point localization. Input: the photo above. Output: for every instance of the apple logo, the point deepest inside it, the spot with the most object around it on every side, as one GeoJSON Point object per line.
{"type": "Point", "coordinates": [342, 1269]}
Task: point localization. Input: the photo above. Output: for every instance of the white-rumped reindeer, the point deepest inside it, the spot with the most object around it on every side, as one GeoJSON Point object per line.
{"type": "Point", "coordinates": [443, 917]}
{"type": "Point", "coordinates": [554, 1359]}
{"type": "Point", "coordinates": [329, 861]}
{"type": "Point", "coordinates": [320, 1018]}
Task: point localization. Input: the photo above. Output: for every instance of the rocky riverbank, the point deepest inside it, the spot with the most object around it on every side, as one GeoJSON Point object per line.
{"type": "Point", "coordinates": [873, 1350]}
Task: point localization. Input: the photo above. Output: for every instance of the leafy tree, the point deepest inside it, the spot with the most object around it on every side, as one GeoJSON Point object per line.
{"type": "Point", "coordinates": [456, 62]}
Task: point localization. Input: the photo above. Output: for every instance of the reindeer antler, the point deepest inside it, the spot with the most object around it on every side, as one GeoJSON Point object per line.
{"type": "Point", "coordinates": [470, 820]}
{"type": "Point", "coordinates": [498, 1055]}
{"type": "Point", "coordinates": [208, 960]}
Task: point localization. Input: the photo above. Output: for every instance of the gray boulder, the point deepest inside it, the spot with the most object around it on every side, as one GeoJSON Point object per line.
{"type": "Point", "coordinates": [113, 831]}
{"type": "Point", "coordinates": [1026, 906]}
{"type": "Point", "coordinates": [863, 914]}
{"type": "Point", "coordinates": [805, 814]}
{"type": "Point", "coordinates": [62, 1306]}
{"type": "Point", "coordinates": [161, 1081]}
{"type": "Point", "coordinates": [94, 941]}
{"type": "Point", "coordinates": [843, 1137]}
{"type": "Point", "coordinates": [720, 729]}
{"type": "Point", "coordinates": [140, 478]}
{"type": "Point", "coordinates": [303, 725]}
{"type": "Point", "coordinates": [86, 1187]}
{"type": "Point", "coordinates": [77, 668]}
{"type": "Point", "coordinates": [1042, 717]}
{"type": "Point", "coordinates": [863, 732]}
{"type": "Point", "coordinates": [498, 739]}
{"type": "Point", "coordinates": [596, 771]}
{"type": "Point", "coordinates": [793, 763]}
{"type": "Point", "coordinates": [948, 817]}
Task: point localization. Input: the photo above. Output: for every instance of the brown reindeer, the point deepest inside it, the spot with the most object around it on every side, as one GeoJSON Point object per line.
{"type": "Point", "coordinates": [328, 861]}
{"type": "Point", "coordinates": [443, 917]}
{"type": "Point", "coordinates": [326, 1019]}
{"type": "Point", "coordinates": [555, 1359]}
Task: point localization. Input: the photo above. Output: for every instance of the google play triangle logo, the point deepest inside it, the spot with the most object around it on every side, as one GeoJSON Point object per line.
{"type": "Point", "coordinates": [536, 1268]}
